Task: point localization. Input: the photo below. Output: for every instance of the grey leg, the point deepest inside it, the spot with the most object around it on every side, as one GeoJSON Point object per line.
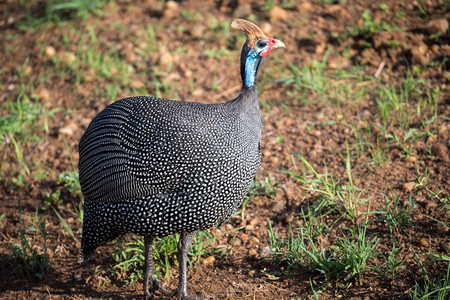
{"type": "Point", "coordinates": [148, 270]}
{"type": "Point", "coordinates": [183, 247]}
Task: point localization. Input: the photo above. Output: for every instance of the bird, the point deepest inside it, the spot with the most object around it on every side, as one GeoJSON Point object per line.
{"type": "Point", "coordinates": [155, 167]}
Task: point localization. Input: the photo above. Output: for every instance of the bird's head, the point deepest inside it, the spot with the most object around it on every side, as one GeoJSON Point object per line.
{"type": "Point", "coordinates": [257, 46]}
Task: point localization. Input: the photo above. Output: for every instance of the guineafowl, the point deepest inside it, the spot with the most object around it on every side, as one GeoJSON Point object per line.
{"type": "Point", "coordinates": [155, 167]}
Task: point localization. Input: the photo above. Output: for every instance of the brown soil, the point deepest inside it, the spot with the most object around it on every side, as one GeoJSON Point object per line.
{"type": "Point", "coordinates": [308, 29]}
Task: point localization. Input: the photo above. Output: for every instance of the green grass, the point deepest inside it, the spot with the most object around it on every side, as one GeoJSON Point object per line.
{"type": "Point", "coordinates": [25, 258]}
{"type": "Point", "coordinates": [370, 26]}
{"type": "Point", "coordinates": [437, 288]}
{"type": "Point", "coordinates": [129, 254]}
{"type": "Point", "coordinates": [304, 250]}
{"type": "Point", "coordinates": [332, 194]}
{"type": "Point", "coordinates": [58, 11]}
{"type": "Point", "coordinates": [259, 188]}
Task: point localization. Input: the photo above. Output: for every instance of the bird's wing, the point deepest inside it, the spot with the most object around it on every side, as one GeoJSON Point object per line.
{"type": "Point", "coordinates": [140, 146]}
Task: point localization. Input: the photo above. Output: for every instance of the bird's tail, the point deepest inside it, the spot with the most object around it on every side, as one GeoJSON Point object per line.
{"type": "Point", "coordinates": [97, 229]}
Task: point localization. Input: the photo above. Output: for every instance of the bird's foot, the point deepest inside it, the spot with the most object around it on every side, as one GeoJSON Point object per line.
{"type": "Point", "coordinates": [156, 286]}
{"type": "Point", "coordinates": [185, 296]}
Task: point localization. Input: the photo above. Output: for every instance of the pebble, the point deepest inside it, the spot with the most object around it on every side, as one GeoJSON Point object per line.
{"type": "Point", "coordinates": [43, 94]}
{"type": "Point", "coordinates": [254, 240]}
{"type": "Point", "coordinates": [418, 57]}
{"type": "Point", "coordinates": [409, 186]}
{"type": "Point", "coordinates": [423, 242]}
{"type": "Point", "coordinates": [276, 13]}
{"type": "Point", "coordinates": [67, 57]}
{"type": "Point", "coordinates": [166, 58]}
{"type": "Point", "coordinates": [249, 228]}
{"type": "Point", "coordinates": [278, 207]}
{"type": "Point", "coordinates": [440, 150]}
{"type": "Point", "coordinates": [252, 252]}
{"type": "Point", "coordinates": [208, 261]}
{"type": "Point", "coordinates": [304, 7]}
{"type": "Point", "coordinates": [441, 229]}
{"type": "Point", "coordinates": [89, 75]}
{"type": "Point", "coordinates": [437, 25]}
{"type": "Point", "coordinates": [244, 237]}
{"type": "Point", "coordinates": [339, 62]}
{"type": "Point", "coordinates": [266, 28]}
{"type": "Point", "coordinates": [265, 251]}
{"type": "Point", "coordinates": [171, 9]}
{"type": "Point", "coordinates": [197, 31]}
{"type": "Point", "coordinates": [243, 10]}
{"type": "Point", "coordinates": [252, 273]}
{"type": "Point", "coordinates": [28, 70]}
{"type": "Point", "coordinates": [69, 129]}
{"type": "Point", "coordinates": [50, 51]}
{"type": "Point", "coordinates": [412, 159]}
{"type": "Point", "coordinates": [137, 84]}
{"type": "Point", "coordinates": [442, 131]}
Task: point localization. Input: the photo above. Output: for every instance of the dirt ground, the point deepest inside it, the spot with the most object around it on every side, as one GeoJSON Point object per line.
{"type": "Point", "coordinates": [292, 124]}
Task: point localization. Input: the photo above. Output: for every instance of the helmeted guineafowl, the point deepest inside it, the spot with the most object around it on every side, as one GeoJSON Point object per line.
{"type": "Point", "coordinates": [156, 167]}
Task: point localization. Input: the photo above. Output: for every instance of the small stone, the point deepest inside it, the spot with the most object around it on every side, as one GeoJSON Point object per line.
{"type": "Point", "coordinates": [77, 276]}
{"type": "Point", "coordinates": [252, 252]}
{"type": "Point", "coordinates": [197, 92]}
{"type": "Point", "coordinates": [165, 58]}
{"type": "Point", "coordinates": [208, 261]}
{"type": "Point", "coordinates": [276, 13]}
{"type": "Point", "coordinates": [289, 218]}
{"type": "Point", "coordinates": [50, 51]}
{"type": "Point", "coordinates": [278, 207]}
{"type": "Point", "coordinates": [409, 186]}
{"type": "Point", "coordinates": [89, 75]}
{"type": "Point", "coordinates": [254, 221]}
{"type": "Point", "coordinates": [423, 242]}
{"type": "Point", "coordinates": [304, 7]}
{"type": "Point", "coordinates": [265, 251]}
{"type": "Point", "coordinates": [43, 94]}
{"type": "Point", "coordinates": [137, 84]}
{"type": "Point", "coordinates": [197, 31]}
{"type": "Point", "coordinates": [171, 9]}
{"type": "Point", "coordinates": [422, 48]}
{"type": "Point", "coordinates": [28, 70]}
{"type": "Point", "coordinates": [339, 62]}
{"type": "Point", "coordinates": [252, 272]}
{"type": "Point", "coordinates": [441, 228]}
{"type": "Point", "coordinates": [442, 131]}
{"type": "Point", "coordinates": [244, 237]}
{"type": "Point", "coordinates": [437, 25]}
{"type": "Point", "coordinates": [440, 150]}
{"type": "Point", "coordinates": [412, 159]}
{"type": "Point", "coordinates": [243, 10]}
{"type": "Point", "coordinates": [266, 28]}
{"type": "Point", "coordinates": [254, 240]}
{"type": "Point", "coordinates": [431, 205]}
{"type": "Point", "coordinates": [67, 57]}
{"type": "Point", "coordinates": [320, 48]}
{"type": "Point", "coordinates": [418, 57]}
{"type": "Point", "coordinates": [69, 129]}
{"type": "Point", "coordinates": [249, 228]}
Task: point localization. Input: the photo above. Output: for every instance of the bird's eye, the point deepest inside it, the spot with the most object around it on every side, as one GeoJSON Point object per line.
{"type": "Point", "coordinates": [261, 44]}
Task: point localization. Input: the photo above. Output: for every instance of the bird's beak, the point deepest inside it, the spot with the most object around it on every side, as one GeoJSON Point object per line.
{"type": "Point", "coordinates": [278, 44]}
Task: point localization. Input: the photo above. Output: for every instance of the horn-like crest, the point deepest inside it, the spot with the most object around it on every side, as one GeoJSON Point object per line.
{"type": "Point", "coordinates": [253, 32]}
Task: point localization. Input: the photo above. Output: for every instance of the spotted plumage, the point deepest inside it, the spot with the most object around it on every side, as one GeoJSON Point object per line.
{"type": "Point", "coordinates": [156, 167]}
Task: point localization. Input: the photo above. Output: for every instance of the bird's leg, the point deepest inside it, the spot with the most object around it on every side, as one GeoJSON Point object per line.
{"type": "Point", "coordinates": [183, 247]}
{"type": "Point", "coordinates": [148, 270]}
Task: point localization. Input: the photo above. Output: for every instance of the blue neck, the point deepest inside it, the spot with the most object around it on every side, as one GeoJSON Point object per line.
{"type": "Point", "coordinates": [250, 69]}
